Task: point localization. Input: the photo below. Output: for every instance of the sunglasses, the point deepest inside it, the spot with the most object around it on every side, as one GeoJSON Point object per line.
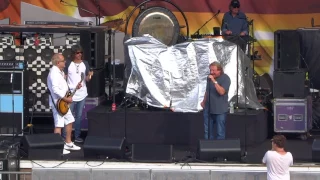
{"type": "Point", "coordinates": [79, 52]}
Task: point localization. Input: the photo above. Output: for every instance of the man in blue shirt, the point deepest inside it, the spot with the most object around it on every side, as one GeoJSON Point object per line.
{"type": "Point", "coordinates": [234, 22]}
{"type": "Point", "coordinates": [215, 101]}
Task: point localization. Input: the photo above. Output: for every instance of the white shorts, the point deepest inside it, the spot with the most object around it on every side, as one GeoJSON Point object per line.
{"type": "Point", "coordinates": [61, 121]}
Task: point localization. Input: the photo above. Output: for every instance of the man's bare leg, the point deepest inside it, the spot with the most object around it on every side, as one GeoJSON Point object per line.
{"type": "Point", "coordinates": [57, 130]}
{"type": "Point", "coordinates": [68, 129]}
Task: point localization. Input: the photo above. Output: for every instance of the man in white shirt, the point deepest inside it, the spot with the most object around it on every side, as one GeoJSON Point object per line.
{"type": "Point", "coordinates": [278, 160]}
{"type": "Point", "coordinates": [73, 70]}
{"type": "Point", "coordinates": [58, 87]}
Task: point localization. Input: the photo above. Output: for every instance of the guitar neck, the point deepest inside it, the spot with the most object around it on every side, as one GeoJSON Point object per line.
{"type": "Point", "coordinates": [75, 90]}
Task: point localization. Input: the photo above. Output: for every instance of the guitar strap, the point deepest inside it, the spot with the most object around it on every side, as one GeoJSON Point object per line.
{"type": "Point", "coordinates": [54, 104]}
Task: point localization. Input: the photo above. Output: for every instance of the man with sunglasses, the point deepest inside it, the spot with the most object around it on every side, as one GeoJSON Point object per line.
{"type": "Point", "coordinates": [73, 70]}
{"type": "Point", "coordinates": [234, 22]}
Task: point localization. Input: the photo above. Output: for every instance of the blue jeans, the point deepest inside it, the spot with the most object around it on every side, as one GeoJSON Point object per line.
{"type": "Point", "coordinates": [219, 119]}
{"type": "Point", "coordinates": [76, 108]}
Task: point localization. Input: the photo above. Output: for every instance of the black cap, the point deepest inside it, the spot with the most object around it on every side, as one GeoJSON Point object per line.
{"type": "Point", "coordinates": [235, 3]}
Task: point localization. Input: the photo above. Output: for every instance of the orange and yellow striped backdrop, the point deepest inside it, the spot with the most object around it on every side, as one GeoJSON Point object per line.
{"type": "Point", "coordinates": [268, 15]}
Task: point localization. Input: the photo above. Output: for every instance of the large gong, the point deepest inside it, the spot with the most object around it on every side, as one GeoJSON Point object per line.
{"type": "Point", "coordinates": [158, 22]}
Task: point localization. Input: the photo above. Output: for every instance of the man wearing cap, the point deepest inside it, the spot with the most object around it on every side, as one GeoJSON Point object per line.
{"type": "Point", "coordinates": [234, 22]}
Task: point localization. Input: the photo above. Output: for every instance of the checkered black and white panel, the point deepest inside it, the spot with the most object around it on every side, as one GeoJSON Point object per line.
{"type": "Point", "coordinates": [72, 40]}
{"type": "Point", "coordinates": [66, 52]}
{"type": "Point", "coordinates": [38, 60]}
{"type": "Point", "coordinates": [6, 39]}
{"type": "Point", "coordinates": [40, 96]}
{"type": "Point", "coordinates": [43, 41]}
{"type": "Point", "coordinates": [10, 52]}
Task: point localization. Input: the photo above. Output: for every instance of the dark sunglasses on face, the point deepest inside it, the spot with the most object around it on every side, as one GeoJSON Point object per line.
{"type": "Point", "coordinates": [235, 6]}
{"type": "Point", "coordinates": [79, 52]}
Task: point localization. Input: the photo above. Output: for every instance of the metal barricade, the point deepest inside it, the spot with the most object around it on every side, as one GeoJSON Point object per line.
{"type": "Point", "coordinates": [15, 175]}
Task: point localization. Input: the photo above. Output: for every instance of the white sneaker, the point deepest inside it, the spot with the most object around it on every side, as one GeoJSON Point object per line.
{"type": "Point", "coordinates": [65, 152]}
{"type": "Point", "coordinates": [71, 147]}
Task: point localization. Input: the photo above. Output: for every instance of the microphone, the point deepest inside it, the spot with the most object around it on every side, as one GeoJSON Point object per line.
{"type": "Point", "coordinates": [312, 22]}
{"type": "Point", "coordinates": [91, 69]}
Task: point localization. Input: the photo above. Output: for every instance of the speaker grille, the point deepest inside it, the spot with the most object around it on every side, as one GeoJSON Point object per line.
{"type": "Point", "coordinates": [289, 84]}
{"type": "Point", "coordinates": [287, 50]}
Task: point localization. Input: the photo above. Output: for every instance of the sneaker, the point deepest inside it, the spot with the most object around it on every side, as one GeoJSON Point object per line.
{"type": "Point", "coordinates": [65, 152]}
{"type": "Point", "coordinates": [78, 140]}
{"type": "Point", "coordinates": [71, 146]}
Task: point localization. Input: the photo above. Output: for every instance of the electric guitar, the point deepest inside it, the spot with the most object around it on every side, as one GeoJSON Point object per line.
{"type": "Point", "coordinates": [62, 105]}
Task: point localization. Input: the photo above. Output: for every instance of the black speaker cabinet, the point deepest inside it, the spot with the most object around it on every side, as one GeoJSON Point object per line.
{"type": "Point", "coordinates": [96, 86]}
{"type": "Point", "coordinates": [103, 147]}
{"type": "Point", "coordinates": [316, 150]}
{"type": "Point", "coordinates": [152, 153]}
{"type": "Point", "coordinates": [209, 150]}
{"type": "Point", "coordinates": [93, 44]}
{"type": "Point", "coordinates": [43, 146]}
{"type": "Point", "coordinates": [289, 84]}
{"type": "Point", "coordinates": [287, 50]}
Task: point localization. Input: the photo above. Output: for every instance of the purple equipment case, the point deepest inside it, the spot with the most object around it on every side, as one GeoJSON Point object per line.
{"type": "Point", "coordinates": [90, 104]}
{"type": "Point", "coordinates": [292, 115]}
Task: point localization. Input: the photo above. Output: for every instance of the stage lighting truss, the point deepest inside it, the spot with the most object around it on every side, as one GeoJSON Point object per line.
{"type": "Point", "coordinates": [158, 22]}
{"type": "Point", "coordinates": [6, 39]}
{"type": "Point", "coordinates": [9, 53]}
{"type": "Point", "coordinates": [72, 40]}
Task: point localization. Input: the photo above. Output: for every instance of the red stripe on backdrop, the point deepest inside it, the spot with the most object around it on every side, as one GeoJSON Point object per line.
{"type": "Point", "coordinates": [114, 7]}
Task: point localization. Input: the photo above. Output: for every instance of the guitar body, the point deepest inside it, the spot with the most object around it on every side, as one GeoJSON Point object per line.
{"type": "Point", "coordinates": [62, 106]}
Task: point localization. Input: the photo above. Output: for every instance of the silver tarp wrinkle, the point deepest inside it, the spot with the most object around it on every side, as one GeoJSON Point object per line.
{"type": "Point", "coordinates": [176, 76]}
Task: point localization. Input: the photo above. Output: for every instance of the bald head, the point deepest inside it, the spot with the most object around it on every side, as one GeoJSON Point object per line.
{"type": "Point", "coordinates": [58, 60]}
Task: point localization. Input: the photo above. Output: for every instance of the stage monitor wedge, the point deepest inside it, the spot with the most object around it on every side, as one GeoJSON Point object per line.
{"type": "Point", "coordinates": [43, 146]}
{"type": "Point", "coordinates": [211, 150]}
{"type": "Point", "coordinates": [96, 147]}
{"type": "Point", "coordinates": [152, 153]}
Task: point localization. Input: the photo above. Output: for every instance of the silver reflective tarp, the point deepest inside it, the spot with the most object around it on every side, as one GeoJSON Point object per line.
{"type": "Point", "coordinates": [175, 77]}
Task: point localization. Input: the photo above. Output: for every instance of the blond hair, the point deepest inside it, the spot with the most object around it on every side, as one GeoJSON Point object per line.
{"type": "Point", "coordinates": [218, 65]}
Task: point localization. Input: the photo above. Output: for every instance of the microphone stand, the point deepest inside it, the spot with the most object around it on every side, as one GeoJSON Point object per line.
{"type": "Point", "coordinates": [245, 110]}
{"type": "Point", "coordinates": [197, 32]}
{"type": "Point", "coordinates": [209, 119]}
{"type": "Point", "coordinates": [96, 15]}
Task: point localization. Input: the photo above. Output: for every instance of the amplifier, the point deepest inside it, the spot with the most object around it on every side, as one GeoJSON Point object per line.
{"type": "Point", "coordinates": [9, 160]}
{"type": "Point", "coordinates": [11, 65]}
{"type": "Point", "coordinates": [13, 102]}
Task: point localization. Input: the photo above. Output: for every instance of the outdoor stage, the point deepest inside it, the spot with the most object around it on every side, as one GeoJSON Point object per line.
{"type": "Point", "coordinates": [182, 130]}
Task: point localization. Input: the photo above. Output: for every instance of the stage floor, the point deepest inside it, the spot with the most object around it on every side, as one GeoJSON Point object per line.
{"type": "Point", "coordinates": [183, 130]}
{"type": "Point", "coordinates": [301, 151]}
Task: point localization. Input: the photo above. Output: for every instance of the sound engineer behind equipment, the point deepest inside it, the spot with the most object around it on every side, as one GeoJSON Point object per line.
{"type": "Point", "coordinates": [234, 22]}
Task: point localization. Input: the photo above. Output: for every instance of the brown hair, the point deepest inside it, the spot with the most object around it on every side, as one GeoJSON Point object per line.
{"type": "Point", "coordinates": [279, 140]}
{"type": "Point", "coordinates": [75, 49]}
{"type": "Point", "coordinates": [218, 65]}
